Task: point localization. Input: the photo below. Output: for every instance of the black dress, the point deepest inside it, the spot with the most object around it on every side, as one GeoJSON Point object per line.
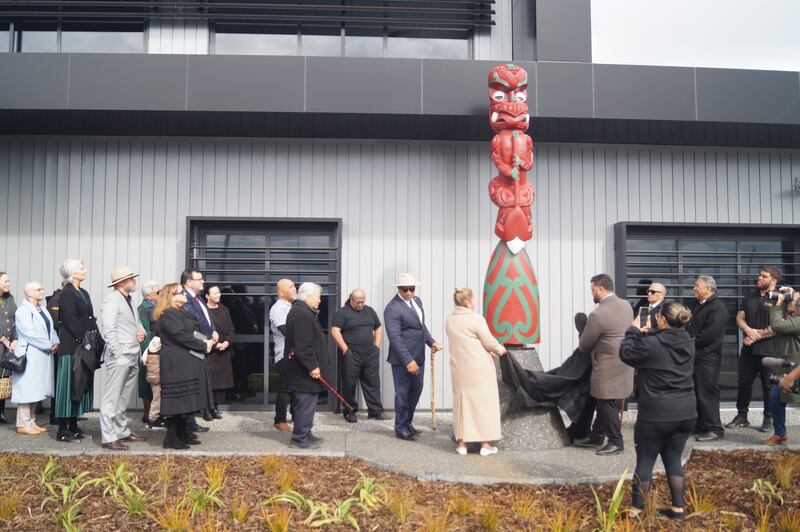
{"type": "Point", "coordinates": [220, 365]}
{"type": "Point", "coordinates": [184, 382]}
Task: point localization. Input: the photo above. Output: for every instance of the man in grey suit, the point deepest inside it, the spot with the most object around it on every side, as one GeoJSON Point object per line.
{"type": "Point", "coordinates": [404, 320]}
{"type": "Point", "coordinates": [612, 380]}
{"type": "Point", "coordinates": [122, 332]}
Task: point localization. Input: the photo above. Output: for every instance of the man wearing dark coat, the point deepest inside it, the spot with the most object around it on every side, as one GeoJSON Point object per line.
{"type": "Point", "coordinates": [307, 352]}
{"type": "Point", "coordinates": [707, 327]}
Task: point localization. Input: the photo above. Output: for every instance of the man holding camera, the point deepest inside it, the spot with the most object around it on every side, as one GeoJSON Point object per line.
{"type": "Point", "coordinates": [786, 326]}
{"type": "Point", "coordinates": [753, 320]}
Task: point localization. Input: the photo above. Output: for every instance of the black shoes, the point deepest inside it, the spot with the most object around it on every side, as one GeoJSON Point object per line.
{"type": "Point", "coordinates": [587, 442]}
{"type": "Point", "coordinates": [179, 445]}
{"type": "Point", "coordinates": [158, 424]}
{"type": "Point", "coordinates": [310, 444]}
{"type": "Point", "coordinates": [379, 417]}
{"type": "Point", "coordinates": [668, 512]}
{"type": "Point", "coordinates": [3, 420]}
{"type": "Point", "coordinates": [198, 428]}
{"type": "Point", "coordinates": [739, 421]}
{"type": "Point", "coordinates": [708, 437]}
{"type": "Point", "coordinates": [82, 435]}
{"type": "Point", "coordinates": [609, 449]}
{"type": "Point", "coordinates": [350, 417]}
{"type": "Point", "coordinates": [313, 438]}
{"type": "Point", "coordinates": [207, 415]}
{"type": "Point", "coordinates": [414, 430]}
{"type": "Point", "coordinates": [408, 436]}
{"type": "Point", "coordinates": [766, 425]}
{"type": "Point", "coordinates": [67, 437]}
{"type": "Point", "coordinates": [215, 414]}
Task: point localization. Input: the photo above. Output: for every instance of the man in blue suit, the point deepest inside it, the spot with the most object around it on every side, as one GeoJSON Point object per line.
{"type": "Point", "coordinates": [404, 320]}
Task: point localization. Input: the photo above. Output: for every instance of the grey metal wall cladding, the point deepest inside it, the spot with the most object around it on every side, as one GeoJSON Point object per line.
{"type": "Point", "coordinates": [177, 36]}
{"type": "Point", "coordinates": [405, 206]}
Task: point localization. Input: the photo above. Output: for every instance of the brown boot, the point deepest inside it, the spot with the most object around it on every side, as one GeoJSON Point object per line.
{"type": "Point", "coordinates": [775, 440]}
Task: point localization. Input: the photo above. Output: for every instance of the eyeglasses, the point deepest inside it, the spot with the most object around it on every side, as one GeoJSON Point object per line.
{"type": "Point", "coordinates": [651, 292]}
{"type": "Point", "coordinates": [407, 288]}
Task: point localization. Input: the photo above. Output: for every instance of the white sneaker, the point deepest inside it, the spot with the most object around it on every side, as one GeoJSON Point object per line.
{"type": "Point", "coordinates": [462, 451]}
{"type": "Point", "coordinates": [487, 451]}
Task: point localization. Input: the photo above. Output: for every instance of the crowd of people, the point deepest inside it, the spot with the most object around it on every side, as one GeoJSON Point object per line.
{"type": "Point", "coordinates": [177, 346]}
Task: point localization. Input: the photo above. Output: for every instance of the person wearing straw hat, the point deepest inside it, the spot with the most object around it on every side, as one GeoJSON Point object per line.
{"type": "Point", "coordinates": [404, 320]}
{"type": "Point", "coordinates": [122, 332]}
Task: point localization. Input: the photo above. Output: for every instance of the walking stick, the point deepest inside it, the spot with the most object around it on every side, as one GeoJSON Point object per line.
{"type": "Point", "coordinates": [433, 388]}
{"type": "Point", "coordinates": [333, 390]}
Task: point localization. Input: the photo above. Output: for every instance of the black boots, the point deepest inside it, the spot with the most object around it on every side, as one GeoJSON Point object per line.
{"type": "Point", "coordinates": [171, 440]}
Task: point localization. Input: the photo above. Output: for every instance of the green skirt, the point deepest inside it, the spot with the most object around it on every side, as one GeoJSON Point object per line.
{"type": "Point", "coordinates": [145, 391]}
{"type": "Point", "coordinates": [64, 406]}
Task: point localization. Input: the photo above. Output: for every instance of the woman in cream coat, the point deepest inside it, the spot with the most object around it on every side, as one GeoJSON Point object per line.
{"type": "Point", "coordinates": [476, 401]}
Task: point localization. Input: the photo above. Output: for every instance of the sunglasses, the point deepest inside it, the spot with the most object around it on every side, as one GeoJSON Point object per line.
{"type": "Point", "coordinates": [407, 288]}
{"type": "Point", "coordinates": [654, 292]}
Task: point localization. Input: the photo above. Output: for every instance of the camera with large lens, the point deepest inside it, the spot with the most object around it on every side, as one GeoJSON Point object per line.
{"type": "Point", "coordinates": [778, 364]}
{"type": "Point", "coordinates": [781, 294]}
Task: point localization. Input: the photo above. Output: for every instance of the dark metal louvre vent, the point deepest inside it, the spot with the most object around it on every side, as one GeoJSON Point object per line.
{"type": "Point", "coordinates": [446, 14]}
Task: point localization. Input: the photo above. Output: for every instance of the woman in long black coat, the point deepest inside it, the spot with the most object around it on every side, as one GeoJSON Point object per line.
{"type": "Point", "coordinates": [76, 315]}
{"type": "Point", "coordinates": [184, 388]}
{"type": "Point", "coordinates": [220, 365]}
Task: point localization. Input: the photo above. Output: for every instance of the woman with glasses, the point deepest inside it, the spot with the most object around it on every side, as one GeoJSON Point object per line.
{"type": "Point", "coordinates": [476, 399]}
{"type": "Point", "coordinates": [184, 389]}
{"type": "Point", "coordinates": [38, 341]}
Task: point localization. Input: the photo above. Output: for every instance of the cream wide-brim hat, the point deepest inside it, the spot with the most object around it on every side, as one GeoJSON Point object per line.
{"type": "Point", "coordinates": [406, 279]}
{"type": "Point", "coordinates": [122, 273]}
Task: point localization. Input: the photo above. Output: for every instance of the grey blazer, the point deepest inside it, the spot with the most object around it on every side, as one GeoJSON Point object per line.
{"type": "Point", "coordinates": [602, 336]}
{"type": "Point", "coordinates": [119, 326]}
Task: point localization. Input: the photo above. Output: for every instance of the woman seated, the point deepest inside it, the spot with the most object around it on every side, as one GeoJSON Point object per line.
{"type": "Point", "coordinates": [476, 400]}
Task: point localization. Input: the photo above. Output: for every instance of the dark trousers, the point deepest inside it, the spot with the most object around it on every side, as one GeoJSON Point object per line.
{"type": "Point", "coordinates": [363, 365]}
{"type": "Point", "coordinates": [706, 389]}
{"type": "Point", "coordinates": [750, 367]}
{"type": "Point", "coordinates": [304, 406]}
{"type": "Point", "coordinates": [284, 396]}
{"type": "Point", "coordinates": [659, 438]}
{"type": "Point", "coordinates": [607, 421]}
{"type": "Point", "coordinates": [407, 389]}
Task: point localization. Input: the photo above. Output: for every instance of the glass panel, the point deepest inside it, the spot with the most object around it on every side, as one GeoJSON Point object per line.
{"type": "Point", "coordinates": [321, 41]}
{"type": "Point", "coordinates": [363, 43]}
{"type": "Point", "coordinates": [4, 36]}
{"type": "Point", "coordinates": [102, 42]}
{"type": "Point", "coordinates": [38, 41]}
{"type": "Point", "coordinates": [238, 240]}
{"type": "Point", "coordinates": [255, 44]}
{"type": "Point", "coordinates": [427, 44]}
{"type": "Point", "coordinates": [708, 245]}
{"type": "Point", "coordinates": [652, 244]}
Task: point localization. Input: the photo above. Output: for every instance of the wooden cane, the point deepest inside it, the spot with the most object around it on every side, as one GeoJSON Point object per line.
{"type": "Point", "coordinates": [433, 388]}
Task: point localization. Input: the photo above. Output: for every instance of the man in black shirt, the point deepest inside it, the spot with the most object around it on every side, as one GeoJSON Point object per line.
{"type": "Point", "coordinates": [753, 319]}
{"type": "Point", "coordinates": [707, 327]}
{"type": "Point", "coordinates": [356, 329]}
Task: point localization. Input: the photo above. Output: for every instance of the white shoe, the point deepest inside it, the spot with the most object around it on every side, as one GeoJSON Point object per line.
{"type": "Point", "coordinates": [462, 451]}
{"type": "Point", "coordinates": [487, 451]}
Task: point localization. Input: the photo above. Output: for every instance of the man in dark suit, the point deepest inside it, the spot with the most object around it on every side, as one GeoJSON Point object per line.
{"type": "Point", "coordinates": [707, 327]}
{"type": "Point", "coordinates": [404, 320]}
{"type": "Point", "coordinates": [193, 282]}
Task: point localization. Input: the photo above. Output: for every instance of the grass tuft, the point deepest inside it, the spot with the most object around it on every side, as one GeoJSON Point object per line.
{"type": "Point", "coordinates": [277, 517]}
{"type": "Point", "coordinates": [700, 501]}
{"type": "Point", "coordinates": [173, 517]}
{"type": "Point", "coordinates": [460, 505]}
{"type": "Point", "coordinates": [400, 503]}
{"type": "Point", "coordinates": [489, 515]}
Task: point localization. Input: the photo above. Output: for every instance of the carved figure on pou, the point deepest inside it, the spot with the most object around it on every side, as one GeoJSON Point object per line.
{"type": "Point", "coordinates": [511, 295]}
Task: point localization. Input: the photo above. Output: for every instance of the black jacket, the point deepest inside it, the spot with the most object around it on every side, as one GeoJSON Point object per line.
{"type": "Point", "coordinates": [665, 364]}
{"type": "Point", "coordinates": [76, 315]}
{"type": "Point", "coordinates": [707, 327]}
{"type": "Point", "coordinates": [307, 349]}
{"type": "Point", "coordinates": [184, 379]}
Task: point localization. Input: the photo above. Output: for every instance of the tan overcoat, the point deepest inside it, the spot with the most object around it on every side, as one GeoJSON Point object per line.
{"type": "Point", "coordinates": [602, 336]}
{"type": "Point", "coordinates": [476, 402]}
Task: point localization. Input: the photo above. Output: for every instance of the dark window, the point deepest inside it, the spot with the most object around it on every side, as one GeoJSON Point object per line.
{"type": "Point", "coordinates": [37, 37]}
{"type": "Point", "coordinates": [246, 258]}
{"type": "Point", "coordinates": [107, 38]}
{"type": "Point", "coordinates": [236, 39]}
{"type": "Point", "coordinates": [428, 44]}
{"type": "Point", "coordinates": [676, 255]}
{"type": "Point", "coordinates": [5, 42]}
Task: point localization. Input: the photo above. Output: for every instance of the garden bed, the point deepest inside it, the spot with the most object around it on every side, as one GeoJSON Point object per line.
{"type": "Point", "coordinates": [732, 490]}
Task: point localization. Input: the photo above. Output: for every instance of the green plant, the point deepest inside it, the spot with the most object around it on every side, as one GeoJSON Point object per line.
{"type": "Point", "coordinates": [323, 514]}
{"type": "Point", "coordinates": [215, 475]}
{"type": "Point", "coordinates": [135, 503]}
{"type": "Point", "coordinates": [700, 501]}
{"type": "Point", "coordinates": [67, 500]}
{"type": "Point", "coordinates": [767, 492]}
{"type": "Point", "coordinates": [489, 516]}
{"type": "Point", "coordinates": [371, 493]}
{"type": "Point", "coordinates": [240, 510]}
{"type": "Point", "coordinates": [200, 499]}
{"type": "Point", "coordinates": [565, 519]}
{"type": "Point", "coordinates": [118, 480]}
{"type": "Point", "coordinates": [524, 505]}
{"type": "Point", "coordinates": [731, 521]}
{"type": "Point", "coordinates": [173, 517]}
{"type": "Point", "coordinates": [400, 503]}
{"type": "Point", "coordinates": [607, 520]}
{"type": "Point", "coordinates": [270, 464]}
{"type": "Point", "coordinates": [788, 521]}
{"type": "Point", "coordinates": [9, 503]}
{"type": "Point", "coordinates": [460, 505]}
{"type": "Point", "coordinates": [785, 468]}
{"type": "Point", "coordinates": [49, 473]}
{"type": "Point", "coordinates": [278, 521]}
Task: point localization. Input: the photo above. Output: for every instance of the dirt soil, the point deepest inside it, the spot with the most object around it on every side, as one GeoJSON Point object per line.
{"type": "Point", "coordinates": [724, 479]}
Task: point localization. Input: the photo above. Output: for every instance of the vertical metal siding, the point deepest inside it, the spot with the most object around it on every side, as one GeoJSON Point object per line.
{"type": "Point", "coordinates": [177, 36]}
{"type": "Point", "coordinates": [405, 206]}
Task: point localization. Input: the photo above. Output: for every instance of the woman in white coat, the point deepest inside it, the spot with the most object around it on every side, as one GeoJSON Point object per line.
{"type": "Point", "coordinates": [37, 340]}
{"type": "Point", "coordinates": [476, 401]}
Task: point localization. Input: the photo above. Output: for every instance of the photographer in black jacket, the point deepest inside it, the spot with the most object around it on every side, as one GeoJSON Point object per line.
{"type": "Point", "coordinates": [666, 411]}
{"type": "Point", "coordinates": [707, 327]}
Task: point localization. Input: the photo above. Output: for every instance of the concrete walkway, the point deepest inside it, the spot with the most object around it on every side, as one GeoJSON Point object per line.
{"type": "Point", "coordinates": [431, 457]}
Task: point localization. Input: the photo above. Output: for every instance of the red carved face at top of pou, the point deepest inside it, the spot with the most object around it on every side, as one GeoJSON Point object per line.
{"type": "Point", "coordinates": [508, 93]}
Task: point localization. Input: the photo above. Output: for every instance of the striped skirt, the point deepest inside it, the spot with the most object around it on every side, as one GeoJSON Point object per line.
{"type": "Point", "coordinates": [64, 405]}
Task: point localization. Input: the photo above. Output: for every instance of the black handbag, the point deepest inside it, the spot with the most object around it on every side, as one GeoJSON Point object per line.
{"type": "Point", "coordinates": [12, 362]}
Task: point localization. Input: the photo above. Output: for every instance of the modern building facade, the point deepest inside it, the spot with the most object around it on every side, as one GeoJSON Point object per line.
{"type": "Point", "coordinates": [344, 142]}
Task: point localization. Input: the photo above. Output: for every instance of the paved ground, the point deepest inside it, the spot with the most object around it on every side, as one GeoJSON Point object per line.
{"type": "Point", "coordinates": [431, 457]}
